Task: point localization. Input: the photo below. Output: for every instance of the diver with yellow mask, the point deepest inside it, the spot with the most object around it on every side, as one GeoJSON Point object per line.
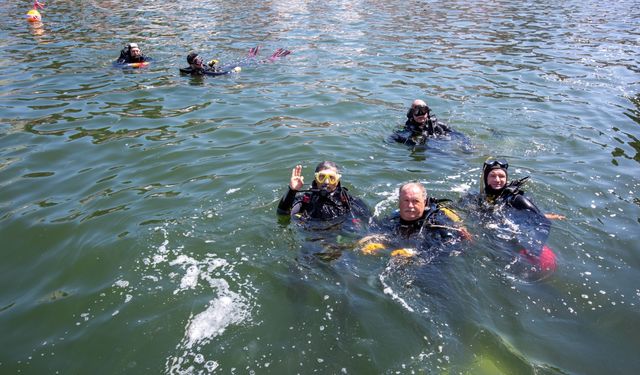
{"type": "Point", "coordinates": [327, 199]}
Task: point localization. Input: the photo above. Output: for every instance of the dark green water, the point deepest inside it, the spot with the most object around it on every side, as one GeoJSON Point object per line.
{"type": "Point", "coordinates": [137, 208]}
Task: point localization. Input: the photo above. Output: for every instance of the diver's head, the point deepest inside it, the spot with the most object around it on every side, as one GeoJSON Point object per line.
{"type": "Point", "coordinates": [194, 60]}
{"type": "Point", "coordinates": [413, 199]}
{"type": "Point", "coordinates": [134, 50]}
{"type": "Point", "coordinates": [419, 111]}
{"type": "Point", "coordinates": [495, 175]}
{"type": "Point", "coordinates": [327, 177]}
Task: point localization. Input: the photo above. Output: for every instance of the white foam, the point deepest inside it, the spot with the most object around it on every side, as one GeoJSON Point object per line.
{"type": "Point", "coordinates": [221, 313]}
{"type": "Point", "coordinates": [389, 291]}
{"type": "Point", "coordinates": [200, 274]}
{"type": "Point", "coordinates": [190, 279]}
{"type": "Point", "coordinates": [121, 283]}
{"type": "Point", "coordinates": [462, 188]}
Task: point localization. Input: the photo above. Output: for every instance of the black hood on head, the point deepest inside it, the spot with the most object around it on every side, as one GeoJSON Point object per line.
{"type": "Point", "coordinates": [484, 186]}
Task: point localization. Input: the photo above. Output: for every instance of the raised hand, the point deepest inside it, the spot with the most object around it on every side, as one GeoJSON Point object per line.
{"type": "Point", "coordinates": [297, 180]}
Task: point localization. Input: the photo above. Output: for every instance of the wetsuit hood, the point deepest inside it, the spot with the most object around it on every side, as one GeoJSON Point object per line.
{"type": "Point", "coordinates": [487, 190]}
{"type": "Point", "coordinates": [191, 57]}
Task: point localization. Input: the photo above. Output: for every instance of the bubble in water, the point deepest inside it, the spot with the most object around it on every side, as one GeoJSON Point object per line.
{"type": "Point", "coordinates": [211, 365]}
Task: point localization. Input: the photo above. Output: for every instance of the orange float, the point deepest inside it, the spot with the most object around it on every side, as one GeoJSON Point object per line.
{"type": "Point", "coordinates": [33, 15]}
{"type": "Point", "coordinates": [137, 65]}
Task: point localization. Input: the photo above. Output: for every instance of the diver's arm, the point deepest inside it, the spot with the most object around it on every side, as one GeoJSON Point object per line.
{"type": "Point", "coordinates": [401, 136]}
{"type": "Point", "coordinates": [450, 220]}
{"type": "Point", "coordinates": [520, 202]}
{"type": "Point", "coordinates": [441, 128]}
{"type": "Point", "coordinates": [123, 57]}
{"type": "Point", "coordinates": [552, 216]}
{"type": "Point", "coordinates": [295, 183]}
{"type": "Point", "coordinates": [286, 203]}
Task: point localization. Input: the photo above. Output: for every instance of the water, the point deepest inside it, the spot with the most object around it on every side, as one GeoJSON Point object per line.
{"type": "Point", "coordinates": [138, 207]}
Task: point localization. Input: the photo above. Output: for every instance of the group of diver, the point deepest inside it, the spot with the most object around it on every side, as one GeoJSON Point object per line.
{"type": "Point", "coordinates": [422, 224]}
{"type": "Point", "coordinates": [131, 55]}
{"type": "Point", "coordinates": [427, 221]}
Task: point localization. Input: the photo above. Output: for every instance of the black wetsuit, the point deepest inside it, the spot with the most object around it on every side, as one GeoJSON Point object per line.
{"type": "Point", "coordinates": [126, 58]}
{"type": "Point", "coordinates": [205, 70]}
{"type": "Point", "coordinates": [513, 196]}
{"type": "Point", "coordinates": [523, 212]}
{"type": "Point", "coordinates": [432, 229]}
{"type": "Point", "coordinates": [414, 133]}
{"type": "Point", "coordinates": [319, 205]}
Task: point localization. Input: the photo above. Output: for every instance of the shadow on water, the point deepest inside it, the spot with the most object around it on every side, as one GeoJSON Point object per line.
{"type": "Point", "coordinates": [634, 143]}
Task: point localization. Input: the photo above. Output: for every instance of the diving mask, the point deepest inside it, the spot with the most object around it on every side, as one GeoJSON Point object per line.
{"type": "Point", "coordinates": [420, 110]}
{"type": "Point", "coordinates": [327, 177]}
{"type": "Point", "coordinates": [492, 163]}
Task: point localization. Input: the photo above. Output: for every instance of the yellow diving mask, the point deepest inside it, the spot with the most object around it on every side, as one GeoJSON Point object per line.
{"type": "Point", "coordinates": [330, 178]}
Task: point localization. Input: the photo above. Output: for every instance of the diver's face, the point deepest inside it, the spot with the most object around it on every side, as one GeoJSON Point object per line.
{"type": "Point", "coordinates": [412, 202]}
{"type": "Point", "coordinates": [197, 63]}
{"type": "Point", "coordinates": [419, 113]}
{"type": "Point", "coordinates": [135, 52]}
{"type": "Point", "coordinates": [497, 179]}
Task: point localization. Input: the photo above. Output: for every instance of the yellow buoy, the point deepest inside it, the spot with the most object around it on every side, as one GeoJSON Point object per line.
{"type": "Point", "coordinates": [34, 16]}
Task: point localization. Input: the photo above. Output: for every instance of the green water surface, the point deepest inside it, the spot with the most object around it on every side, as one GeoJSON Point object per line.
{"type": "Point", "coordinates": [137, 207]}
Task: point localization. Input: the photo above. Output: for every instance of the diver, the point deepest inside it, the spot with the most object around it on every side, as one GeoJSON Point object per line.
{"type": "Point", "coordinates": [329, 214]}
{"type": "Point", "coordinates": [495, 190]}
{"type": "Point", "coordinates": [421, 124]}
{"type": "Point", "coordinates": [497, 194]}
{"type": "Point", "coordinates": [213, 67]}
{"type": "Point", "coordinates": [197, 66]}
{"type": "Point", "coordinates": [130, 54]}
{"type": "Point", "coordinates": [327, 199]}
{"type": "Point", "coordinates": [420, 218]}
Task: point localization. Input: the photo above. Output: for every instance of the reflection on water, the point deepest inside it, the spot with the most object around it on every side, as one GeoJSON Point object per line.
{"type": "Point", "coordinates": [139, 205]}
{"type": "Point", "coordinates": [633, 114]}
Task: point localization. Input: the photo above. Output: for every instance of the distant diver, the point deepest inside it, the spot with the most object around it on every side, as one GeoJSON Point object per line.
{"type": "Point", "coordinates": [197, 66]}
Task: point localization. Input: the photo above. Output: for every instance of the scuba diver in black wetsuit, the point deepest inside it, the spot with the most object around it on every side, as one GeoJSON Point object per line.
{"type": "Point", "coordinates": [326, 200]}
{"type": "Point", "coordinates": [420, 218]}
{"type": "Point", "coordinates": [131, 54]}
{"type": "Point", "coordinates": [496, 193]}
{"type": "Point", "coordinates": [421, 124]}
{"type": "Point", "coordinates": [327, 211]}
{"type": "Point", "coordinates": [213, 68]}
{"type": "Point", "coordinates": [198, 68]}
